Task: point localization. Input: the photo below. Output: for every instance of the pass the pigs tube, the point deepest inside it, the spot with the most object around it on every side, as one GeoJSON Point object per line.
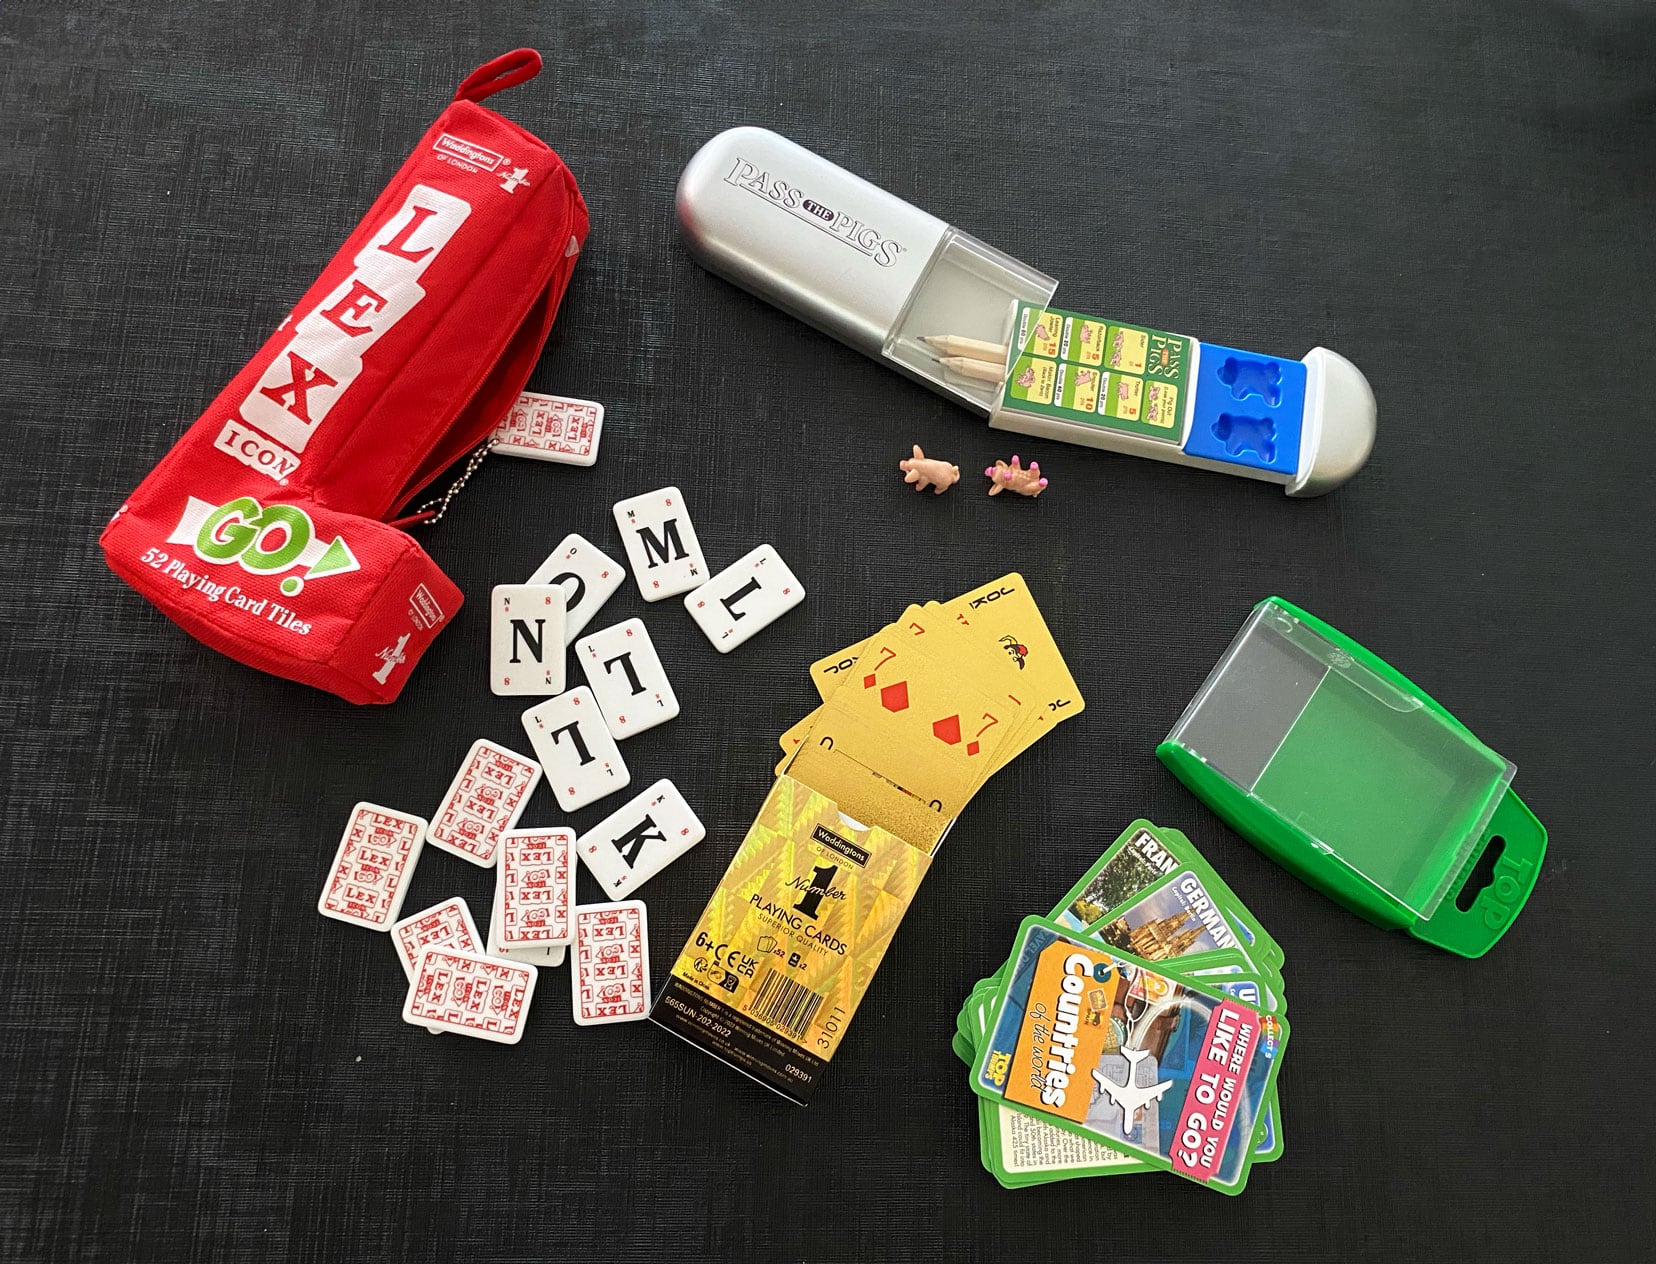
{"type": "Point", "coordinates": [888, 279]}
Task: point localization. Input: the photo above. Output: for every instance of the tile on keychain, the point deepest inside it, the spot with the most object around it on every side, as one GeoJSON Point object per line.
{"type": "Point", "coordinates": [640, 839]}
{"type": "Point", "coordinates": [576, 750]}
{"type": "Point", "coordinates": [627, 678]}
{"type": "Point", "coordinates": [371, 870]}
{"type": "Point", "coordinates": [470, 994]}
{"type": "Point", "coordinates": [610, 979]}
{"type": "Point", "coordinates": [483, 801]}
{"type": "Point", "coordinates": [588, 576]}
{"type": "Point", "coordinates": [551, 428]}
{"type": "Point", "coordinates": [662, 548]}
{"type": "Point", "coordinates": [746, 597]}
{"type": "Point", "coordinates": [526, 639]}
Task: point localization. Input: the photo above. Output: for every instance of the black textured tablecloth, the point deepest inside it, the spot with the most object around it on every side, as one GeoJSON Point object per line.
{"type": "Point", "coordinates": [1458, 197]}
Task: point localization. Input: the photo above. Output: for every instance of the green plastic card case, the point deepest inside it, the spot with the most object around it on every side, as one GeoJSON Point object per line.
{"type": "Point", "coordinates": [1347, 774]}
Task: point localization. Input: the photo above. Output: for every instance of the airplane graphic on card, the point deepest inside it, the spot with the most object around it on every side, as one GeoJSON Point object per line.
{"type": "Point", "coordinates": [1183, 1090]}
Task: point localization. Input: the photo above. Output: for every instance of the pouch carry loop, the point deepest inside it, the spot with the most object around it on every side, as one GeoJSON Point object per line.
{"type": "Point", "coordinates": [506, 71]}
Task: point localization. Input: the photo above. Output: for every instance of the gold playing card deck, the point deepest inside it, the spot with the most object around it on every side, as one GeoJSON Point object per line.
{"type": "Point", "coordinates": [913, 721]}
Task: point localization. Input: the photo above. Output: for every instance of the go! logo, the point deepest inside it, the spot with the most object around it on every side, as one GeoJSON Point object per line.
{"type": "Point", "coordinates": [262, 540]}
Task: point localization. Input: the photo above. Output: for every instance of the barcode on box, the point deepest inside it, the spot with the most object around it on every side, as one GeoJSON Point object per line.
{"type": "Point", "coordinates": [784, 1004]}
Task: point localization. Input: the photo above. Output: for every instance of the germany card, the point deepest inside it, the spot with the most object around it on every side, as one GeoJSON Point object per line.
{"type": "Point", "coordinates": [1175, 918]}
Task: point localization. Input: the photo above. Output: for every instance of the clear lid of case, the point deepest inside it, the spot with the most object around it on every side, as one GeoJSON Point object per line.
{"type": "Point", "coordinates": [970, 290]}
{"type": "Point", "coordinates": [1369, 773]}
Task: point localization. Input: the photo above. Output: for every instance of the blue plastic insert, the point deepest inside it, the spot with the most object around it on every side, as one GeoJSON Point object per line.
{"type": "Point", "coordinates": [1249, 409]}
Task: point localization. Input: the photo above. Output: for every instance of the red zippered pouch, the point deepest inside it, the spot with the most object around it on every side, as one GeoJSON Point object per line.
{"type": "Point", "coordinates": [267, 532]}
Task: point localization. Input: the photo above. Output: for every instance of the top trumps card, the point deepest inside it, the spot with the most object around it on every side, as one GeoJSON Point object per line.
{"type": "Point", "coordinates": [1177, 917]}
{"type": "Point", "coordinates": [1133, 864]}
{"type": "Point", "coordinates": [1093, 1042]}
{"type": "Point", "coordinates": [662, 548]}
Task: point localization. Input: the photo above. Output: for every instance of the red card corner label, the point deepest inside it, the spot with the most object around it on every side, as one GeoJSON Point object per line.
{"type": "Point", "coordinates": [1217, 1085]}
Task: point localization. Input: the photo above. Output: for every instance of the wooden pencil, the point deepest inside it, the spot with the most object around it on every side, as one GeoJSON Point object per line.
{"type": "Point", "coordinates": [970, 348]}
{"type": "Point", "coordinates": [981, 370]}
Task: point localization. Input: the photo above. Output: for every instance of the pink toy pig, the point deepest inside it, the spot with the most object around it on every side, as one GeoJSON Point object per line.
{"type": "Point", "coordinates": [1003, 477]}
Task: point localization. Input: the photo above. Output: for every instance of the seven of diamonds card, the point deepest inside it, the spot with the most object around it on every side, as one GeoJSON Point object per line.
{"type": "Point", "coordinates": [484, 801]}
{"type": "Point", "coordinates": [371, 869]}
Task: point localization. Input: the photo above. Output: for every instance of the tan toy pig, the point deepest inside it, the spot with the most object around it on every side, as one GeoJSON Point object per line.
{"type": "Point", "coordinates": [924, 472]}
